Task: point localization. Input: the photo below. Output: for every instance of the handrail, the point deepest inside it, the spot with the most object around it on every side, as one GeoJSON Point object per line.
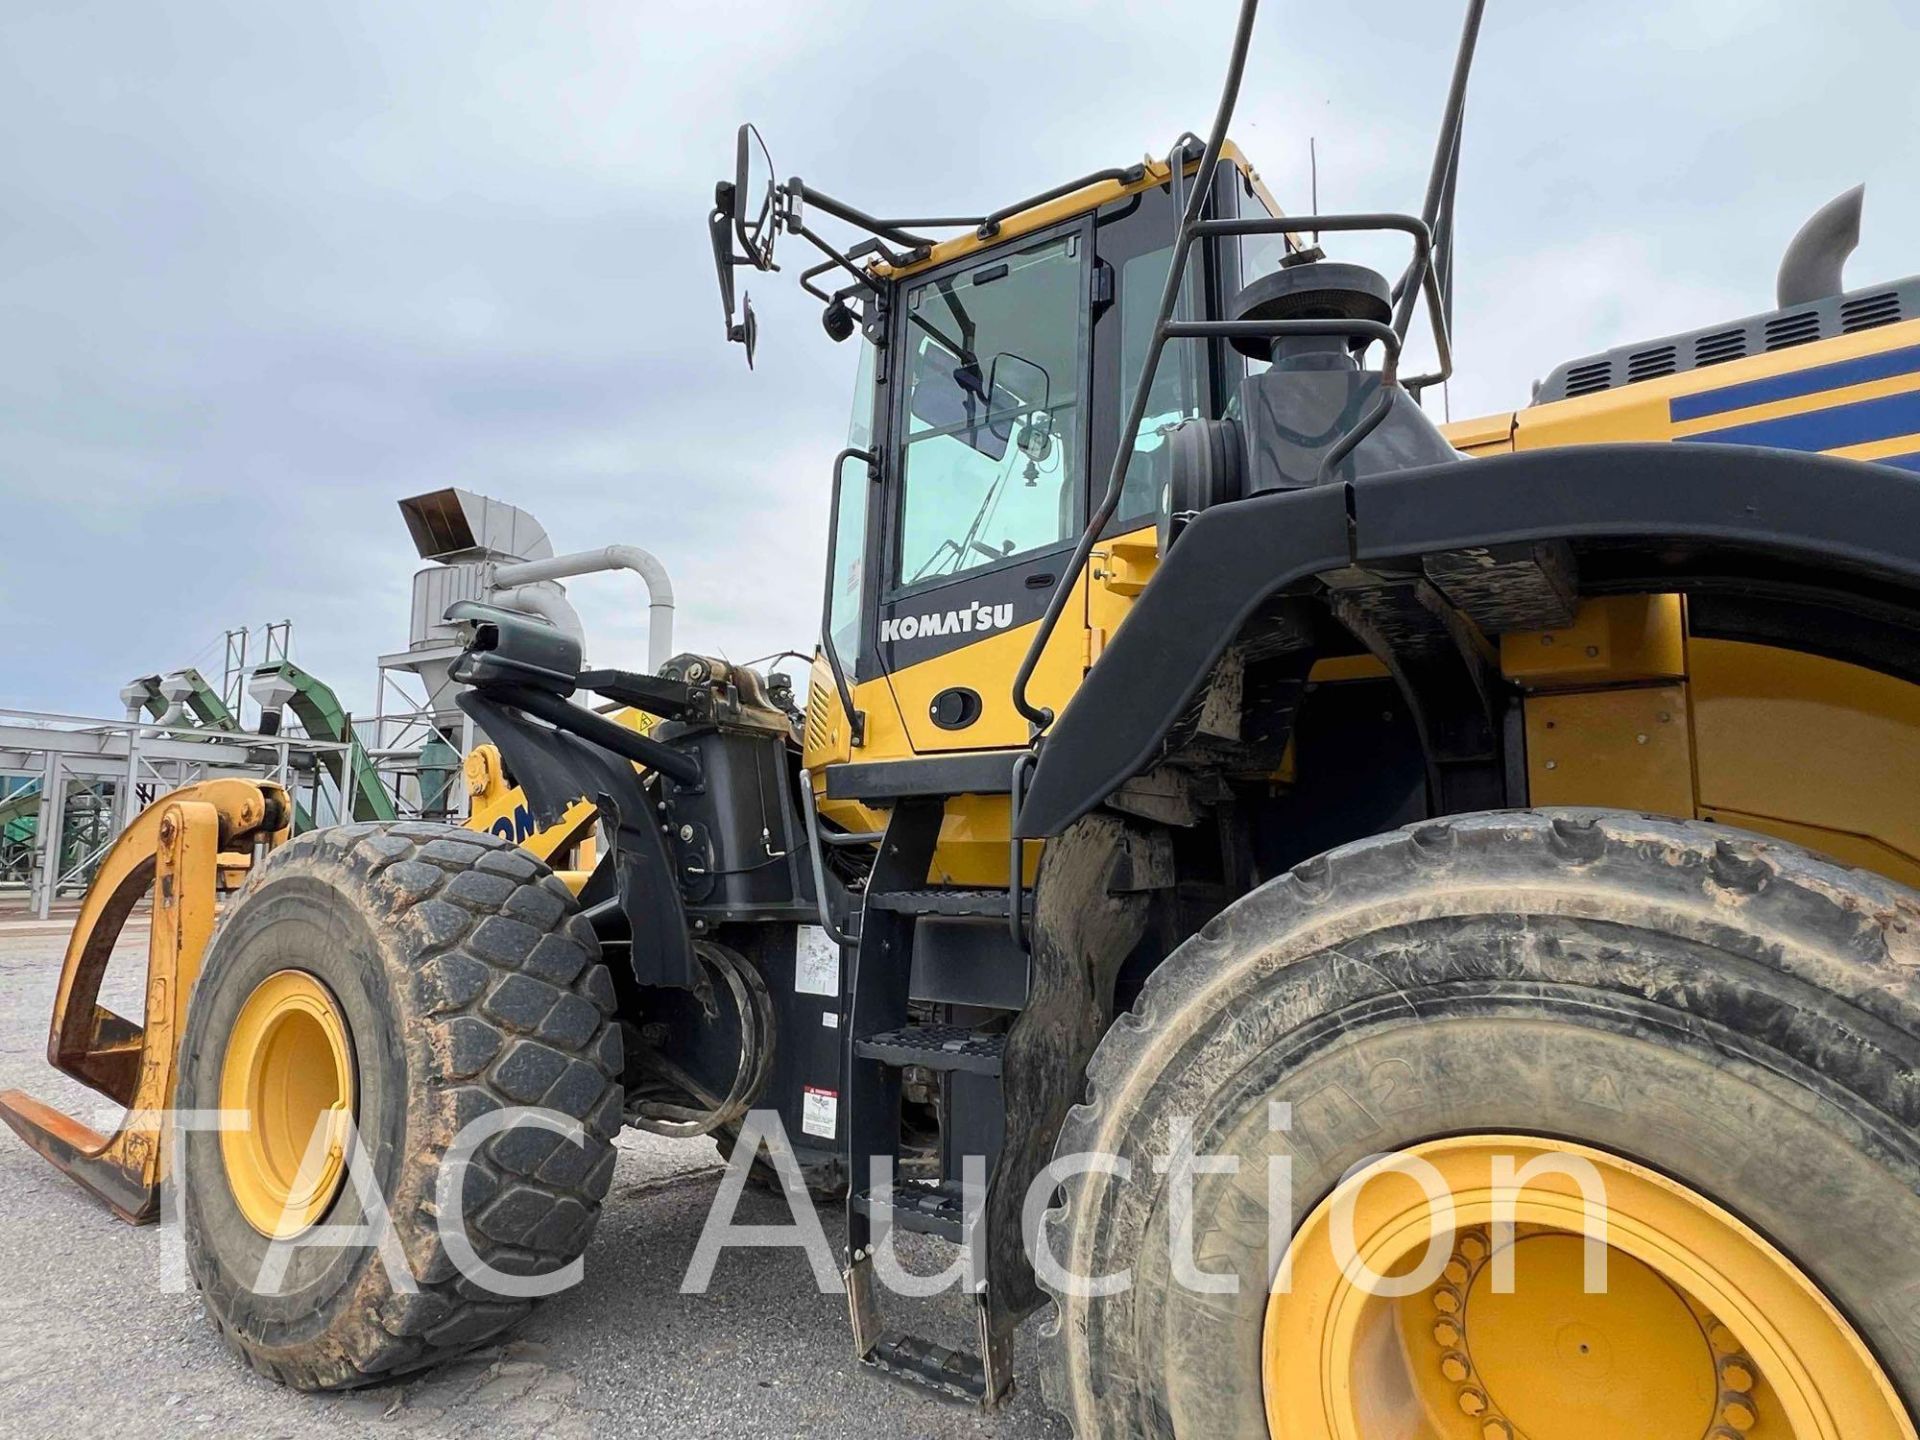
{"type": "Point", "coordinates": [1017, 858]}
{"type": "Point", "coordinates": [817, 862]}
{"type": "Point", "coordinates": [1420, 269]}
{"type": "Point", "coordinates": [856, 727]}
{"type": "Point", "coordinates": [1440, 187]}
{"type": "Point", "coordinates": [1120, 175]}
{"type": "Point", "coordinates": [1373, 331]}
{"type": "Point", "coordinates": [1041, 716]}
{"type": "Point", "coordinates": [1420, 280]}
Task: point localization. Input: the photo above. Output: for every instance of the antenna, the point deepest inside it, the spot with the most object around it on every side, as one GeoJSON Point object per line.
{"type": "Point", "coordinates": [1313, 180]}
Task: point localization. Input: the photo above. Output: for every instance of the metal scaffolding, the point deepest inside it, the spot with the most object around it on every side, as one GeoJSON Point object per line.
{"type": "Point", "coordinates": [85, 779]}
{"type": "Point", "coordinates": [420, 738]}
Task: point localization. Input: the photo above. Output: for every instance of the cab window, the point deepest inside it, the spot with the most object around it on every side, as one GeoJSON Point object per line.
{"type": "Point", "coordinates": [1259, 254]}
{"type": "Point", "coordinates": [992, 459]}
{"type": "Point", "coordinates": [850, 535]}
{"type": "Point", "coordinates": [1179, 381]}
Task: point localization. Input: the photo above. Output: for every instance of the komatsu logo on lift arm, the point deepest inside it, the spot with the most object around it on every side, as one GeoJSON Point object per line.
{"type": "Point", "coordinates": [947, 622]}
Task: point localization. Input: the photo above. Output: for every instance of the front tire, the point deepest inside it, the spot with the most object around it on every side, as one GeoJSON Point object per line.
{"type": "Point", "coordinates": [1726, 1017]}
{"type": "Point", "coordinates": [462, 980]}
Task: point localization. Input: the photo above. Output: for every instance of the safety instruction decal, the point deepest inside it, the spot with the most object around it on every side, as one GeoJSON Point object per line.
{"type": "Point", "coordinates": [816, 963]}
{"type": "Point", "coordinates": [820, 1112]}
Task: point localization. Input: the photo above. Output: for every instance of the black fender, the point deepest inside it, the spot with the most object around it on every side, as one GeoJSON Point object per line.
{"type": "Point", "coordinates": [556, 769]}
{"type": "Point", "coordinates": [1835, 537]}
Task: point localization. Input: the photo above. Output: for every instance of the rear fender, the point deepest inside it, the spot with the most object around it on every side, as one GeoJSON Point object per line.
{"type": "Point", "coordinates": [1830, 535]}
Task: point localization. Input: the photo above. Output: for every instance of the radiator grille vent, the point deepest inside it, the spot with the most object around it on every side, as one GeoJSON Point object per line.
{"type": "Point", "coordinates": [1645, 364]}
{"type": "Point", "coordinates": [816, 716]}
{"type": "Point", "coordinates": [1870, 310]}
{"type": "Point", "coordinates": [1720, 347]}
{"type": "Point", "coordinates": [1586, 379]}
{"type": "Point", "coordinates": [1795, 329]}
{"type": "Point", "coordinates": [1755, 335]}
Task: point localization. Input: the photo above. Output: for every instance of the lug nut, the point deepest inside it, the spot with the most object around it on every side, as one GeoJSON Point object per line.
{"type": "Point", "coordinates": [1446, 1333]}
{"type": "Point", "coordinates": [1455, 1367]}
{"type": "Point", "coordinates": [1738, 1412]}
{"type": "Point", "coordinates": [1447, 1302]}
{"type": "Point", "coordinates": [1472, 1402]}
{"type": "Point", "coordinates": [1737, 1375]}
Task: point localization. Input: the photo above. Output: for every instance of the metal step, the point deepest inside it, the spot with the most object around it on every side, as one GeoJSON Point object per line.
{"type": "Point", "coordinates": [937, 1047]}
{"type": "Point", "coordinates": [955, 1374]}
{"type": "Point", "coordinates": [926, 1207]}
{"type": "Point", "coordinates": [949, 901]}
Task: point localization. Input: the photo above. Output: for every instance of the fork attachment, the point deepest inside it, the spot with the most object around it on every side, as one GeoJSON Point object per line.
{"type": "Point", "coordinates": [186, 848]}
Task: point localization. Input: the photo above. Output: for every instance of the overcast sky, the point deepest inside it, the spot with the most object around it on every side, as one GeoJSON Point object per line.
{"type": "Point", "coordinates": [267, 267]}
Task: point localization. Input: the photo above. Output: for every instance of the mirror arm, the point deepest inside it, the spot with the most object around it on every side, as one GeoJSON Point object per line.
{"type": "Point", "coordinates": [720, 231]}
{"type": "Point", "coordinates": [894, 230]}
{"type": "Point", "coordinates": [834, 258]}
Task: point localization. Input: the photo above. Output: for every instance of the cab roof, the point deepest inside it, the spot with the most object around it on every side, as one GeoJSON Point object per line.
{"type": "Point", "coordinates": [1065, 207]}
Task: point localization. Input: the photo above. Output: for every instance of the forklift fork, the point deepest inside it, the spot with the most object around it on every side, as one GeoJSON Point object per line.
{"type": "Point", "coordinates": [185, 847]}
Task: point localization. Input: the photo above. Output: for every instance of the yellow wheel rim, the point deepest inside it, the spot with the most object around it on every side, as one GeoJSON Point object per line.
{"type": "Point", "coordinates": [1485, 1328]}
{"type": "Point", "coordinates": [289, 1070]}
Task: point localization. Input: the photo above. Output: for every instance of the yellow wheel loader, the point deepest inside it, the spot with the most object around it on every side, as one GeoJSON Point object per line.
{"type": "Point", "coordinates": [1371, 930]}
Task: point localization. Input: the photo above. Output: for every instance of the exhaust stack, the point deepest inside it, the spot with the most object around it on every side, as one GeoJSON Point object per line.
{"type": "Point", "coordinates": [1810, 270]}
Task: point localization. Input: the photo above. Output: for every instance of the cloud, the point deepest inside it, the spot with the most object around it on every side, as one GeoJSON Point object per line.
{"type": "Point", "coordinates": [266, 269]}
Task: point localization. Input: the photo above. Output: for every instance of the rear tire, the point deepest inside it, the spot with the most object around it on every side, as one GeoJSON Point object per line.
{"type": "Point", "coordinates": [466, 982]}
{"type": "Point", "coordinates": [1730, 1012]}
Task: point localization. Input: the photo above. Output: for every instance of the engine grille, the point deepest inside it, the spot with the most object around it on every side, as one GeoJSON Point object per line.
{"type": "Point", "coordinates": [1756, 335]}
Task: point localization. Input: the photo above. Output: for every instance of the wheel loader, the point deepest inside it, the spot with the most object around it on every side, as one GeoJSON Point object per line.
{"type": "Point", "coordinates": [1217, 780]}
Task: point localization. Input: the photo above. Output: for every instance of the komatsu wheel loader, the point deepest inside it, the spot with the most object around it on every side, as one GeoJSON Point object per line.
{"type": "Point", "coordinates": [1293, 888]}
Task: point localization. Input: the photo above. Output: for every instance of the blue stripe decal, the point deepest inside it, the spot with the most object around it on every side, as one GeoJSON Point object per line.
{"type": "Point", "coordinates": [1829, 429]}
{"type": "Point", "coordinates": [1901, 462]}
{"type": "Point", "coordinates": [1791, 386]}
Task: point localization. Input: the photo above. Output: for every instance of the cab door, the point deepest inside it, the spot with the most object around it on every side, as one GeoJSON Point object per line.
{"type": "Point", "coordinates": [990, 425]}
{"type": "Point", "coordinates": [1134, 245]}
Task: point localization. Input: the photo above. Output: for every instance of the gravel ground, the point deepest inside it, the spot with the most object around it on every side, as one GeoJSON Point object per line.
{"type": "Point", "coordinates": [89, 1342]}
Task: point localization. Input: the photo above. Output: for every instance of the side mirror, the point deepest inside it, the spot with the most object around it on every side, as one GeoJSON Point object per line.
{"type": "Point", "coordinates": [753, 198]}
{"type": "Point", "coordinates": [1017, 386]}
{"type": "Point", "coordinates": [742, 225]}
{"type": "Point", "coordinates": [951, 395]}
{"type": "Point", "coordinates": [747, 331]}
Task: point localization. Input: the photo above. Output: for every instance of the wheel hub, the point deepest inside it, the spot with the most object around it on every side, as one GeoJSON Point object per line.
{"type": "Point", "coordinates": [1544, 1357]}
{"type": "Point", "coordinates": [1487, 1329]}
{"type": "Point", "coordinates": [289, 1069]}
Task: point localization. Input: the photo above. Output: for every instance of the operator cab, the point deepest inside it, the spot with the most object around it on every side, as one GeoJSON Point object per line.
{"type": "Point", "coordinates": [995, 371]}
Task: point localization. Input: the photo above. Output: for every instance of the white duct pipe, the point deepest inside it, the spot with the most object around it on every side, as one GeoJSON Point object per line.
{"type": "Point", "coordinates": [592, 562]}
{"type": "Point", "coordinates": [176, 690]}
{"type": "Point", "coordinates": [546, 600]}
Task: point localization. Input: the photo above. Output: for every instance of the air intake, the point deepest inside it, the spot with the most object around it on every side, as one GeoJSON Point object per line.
{"type": "Point", "coordinates": [1756, 335]}
{"type": "Point", "coordinates": [1866, 311]}
{"type": "Point", "coordinates": [1645, 364]}
{"type": "Point", "coordinates": [1795, 329]}
{"type": "Point", "coordinates": [1586, 379]}
{"type": "Point", "coordinates": [1720, 347]}
{"type": "Point", "coordinates": [816, 717]}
